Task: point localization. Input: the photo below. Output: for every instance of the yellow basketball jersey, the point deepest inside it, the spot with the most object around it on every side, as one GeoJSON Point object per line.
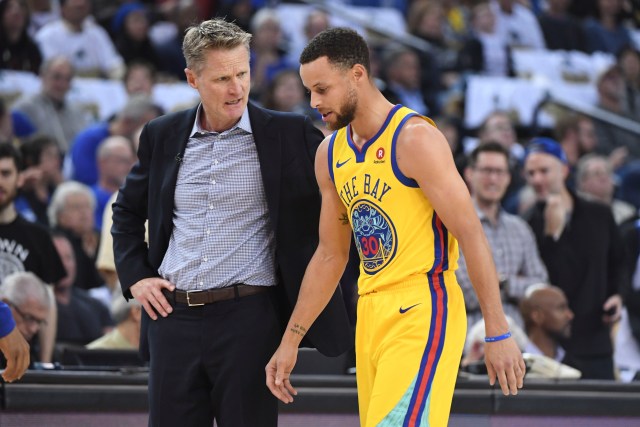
{"type": "Point", "coordinates": [397, 232]}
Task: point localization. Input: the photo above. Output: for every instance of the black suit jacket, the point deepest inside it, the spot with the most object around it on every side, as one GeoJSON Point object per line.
{"type": "Point", "coordinates": [286, 145]}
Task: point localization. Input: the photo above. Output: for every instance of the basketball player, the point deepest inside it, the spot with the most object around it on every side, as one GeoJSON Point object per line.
{"type": "Point", "coordinates": [389, 173]}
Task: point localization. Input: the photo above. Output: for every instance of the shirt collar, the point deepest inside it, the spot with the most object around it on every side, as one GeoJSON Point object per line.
{"type": "Point", "coordinates": [244, 123]}
{"type": "Point", "coordinates": [483, 217]}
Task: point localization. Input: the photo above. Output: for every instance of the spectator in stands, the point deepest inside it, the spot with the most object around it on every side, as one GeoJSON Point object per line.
{"type": "Point", "coordinates": [80, 164]}
{"type": "Point", "coordinates": [83, 42]}
{"type": "Point", "coordinates": [131, 34]}
{"type": "Point", "coordinates": [41, 175]}
{"type": "Point", "coordinates": [512, 243]}
{"type": "Point", "coordinates": [72, 211]}
{"type": "Point", "coordinates": [561, 30]}
{"type": "Point", "coordinates": [402, 74]}
{"type": "Point", "coordinates": [81, 318]}
{"type": "Point", "coordinates": [25, 246]}
{"type": "Point", "coordinates": [127, 316]}
{"type": "Point", "coordinates": [170, 50]}
{"type": "Point", "coordinates": [115, 158]}
{"type": "Point", "coordinates": [18, 51]}
{"type": "Point", "coordinates": [629, 63]}
{"type": "Point", "coordinates": [30, 301]}
{"type": "Point", "coordinates": [485, 51]}
{"type": "Point", "coordinates": [611, 97]}
{"type": "Point", "coordinates": [547, 320]}
{"type": "Point", "coordinates": [439, 66]}
{"type": "Point", "coordinates": [581, 247]}
{"type": "Point", "coordinates": [607, 32]}
{"type": "Point", "coordinates": [42, 12]}
{"type": "Point", "coordinates": [316, 21]}
{"type": "Point", "coordinates": [499, 127]}
{"type": "Point", "coordinates": [140, 78]}
{"type": "Point", "coordinates": [268, 50]}
{"type": "Point", "coordinates": [49, 110]}
{"type": "Point", "coordinates": [286, 93]}
{"type": "Point", "coordinates": [595, 182]}
{"type": "Point", "coordinates": [517, 25]}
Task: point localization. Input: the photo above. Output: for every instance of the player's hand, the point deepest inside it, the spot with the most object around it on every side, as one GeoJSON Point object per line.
{"type": "Point", "coordinates": [278, 372]}
{"type": "Point", "coordinates": [148, 292]}
{"type": "Point", "coordinates": [504, 361]}
{"type": "Point", "coordinates": [16, 351]}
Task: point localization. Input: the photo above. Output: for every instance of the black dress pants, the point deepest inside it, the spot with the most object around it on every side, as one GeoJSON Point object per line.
{"type": "Point", "coordinates": [208, 362]}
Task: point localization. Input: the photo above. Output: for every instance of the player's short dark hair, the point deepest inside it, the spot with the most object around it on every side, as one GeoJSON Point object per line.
{"type": "Point", "coordinates": [343, 47]}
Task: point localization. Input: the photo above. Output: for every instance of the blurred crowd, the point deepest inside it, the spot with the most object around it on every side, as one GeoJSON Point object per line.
{"type": "Point", "coordinates": [558, 201]}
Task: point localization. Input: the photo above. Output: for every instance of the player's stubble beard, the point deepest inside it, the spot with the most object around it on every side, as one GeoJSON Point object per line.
{"type": "Point", "coordinates": [347, 111]}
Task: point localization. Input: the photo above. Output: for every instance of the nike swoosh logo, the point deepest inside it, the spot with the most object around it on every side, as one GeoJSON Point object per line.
{"type": "Point", "coordinates": [339, 165]}
{"type": "Point", "coordinates": [404, 310]}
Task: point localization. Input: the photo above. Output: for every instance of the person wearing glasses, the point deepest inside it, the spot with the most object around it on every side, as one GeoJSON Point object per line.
{"type": "Point", "coordinates": [512, 242]}
{"type": "Point", "coordinates": [29, 300]}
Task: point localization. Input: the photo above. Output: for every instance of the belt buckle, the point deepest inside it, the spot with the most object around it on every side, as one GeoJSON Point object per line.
{"type": "Point", "coordinates": [189, 303]}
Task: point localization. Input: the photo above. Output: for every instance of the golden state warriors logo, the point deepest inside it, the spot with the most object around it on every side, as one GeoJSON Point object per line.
{"type": "Point", "coordinates": [375, 236]}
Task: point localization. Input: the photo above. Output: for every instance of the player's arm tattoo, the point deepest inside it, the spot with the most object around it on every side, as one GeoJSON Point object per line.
{"type": "Point", "coordinates": [344, 219]}
{"type": "Point", "coordinates": [298, 329]}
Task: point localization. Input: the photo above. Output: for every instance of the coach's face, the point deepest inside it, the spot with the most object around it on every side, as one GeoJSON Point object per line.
{"type": "Point", "coordinates": [223, 82]}
{"type": "Point", "coordinates": [333, 93]}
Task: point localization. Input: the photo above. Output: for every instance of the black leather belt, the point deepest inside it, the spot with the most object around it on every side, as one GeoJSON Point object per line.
{"type": "Point", "coordinates": [208, 296]}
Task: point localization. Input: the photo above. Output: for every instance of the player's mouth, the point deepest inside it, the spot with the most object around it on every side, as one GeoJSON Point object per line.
{"type": "Point", "coordinates": [325, 116]}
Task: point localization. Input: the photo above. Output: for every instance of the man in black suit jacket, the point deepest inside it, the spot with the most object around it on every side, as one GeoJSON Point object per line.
{"type": "Point", "coordinates": [233, 208]}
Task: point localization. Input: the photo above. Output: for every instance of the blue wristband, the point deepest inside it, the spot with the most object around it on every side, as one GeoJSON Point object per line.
{"type": "Point", "coordinates": [497, 337]}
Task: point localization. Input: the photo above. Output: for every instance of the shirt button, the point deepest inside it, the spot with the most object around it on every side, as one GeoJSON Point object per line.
{"type": "Point", "coordinates": [215, 162]}
{"type": "Point", "coordinates": [204, 259]}
{"type": "Point", "coordinates": [213, 181]}
{"type": "Point", "coordinates": [208, 231]}
{"type": "Point", "coordinates": [201, 283]}
{"type": "Point", "coordinates": [210, 206]}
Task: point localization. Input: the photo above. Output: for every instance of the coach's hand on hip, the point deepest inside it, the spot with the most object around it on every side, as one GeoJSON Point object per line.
{"type": "Point", "coordinates": [148, 292]}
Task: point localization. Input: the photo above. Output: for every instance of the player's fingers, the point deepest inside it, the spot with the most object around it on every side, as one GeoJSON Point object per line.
{"type": "Point", "coordinates": [503, 381]}
{"type": "Point", "coordinates": [160, 303]}
{"type": "Point", "coordinates": [512, 379]}
{"type": "Point", "coordinates": [290, 388]}
{"type": "Point", "coordinates": [522, 372]}
{"type": "Point", "coordinates": [491, 372]}
{"type": "Point", "coordinates": [11, 371]}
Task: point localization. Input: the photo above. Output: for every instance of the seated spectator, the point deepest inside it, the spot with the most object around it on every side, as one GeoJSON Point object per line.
{"type": "Point", "coordinates": [115, 159]}
{"type": "Point", "coordinates": [547, 320]}
{"type": "Point", "coordinates": [511, 241]}
{"type": "Point", "coordinates": [450, 127]}
{"type": "Point", "coordinates": [517, 25]}
{"type": "Point", "coordinates": [30, 303]}
{"type": "Point", "coordinates": [140, 78]}
{"type": "Point", "coordinates": [485, 51]}
{"type": "Point", "coordinates": [80, 165]}
{"type": "Point", "coordinates": [595, 181]}
{"type": "Point", "coordinates": [286, 93]}
{"type": "Point", "coordinates": [126, 334]}
{"type": "Point", "coordinates": [130, 27]}
{"type": "Point", "coordinates": [611, 98]}
{"type": "Point", "coordinates": [499, 127]}
{"type": "Point", "coordinates": [607, 32]}
{"type": "Point", "coordinates": [316, 21]}
{"type": "Point", "coordinates": [72, 211]}
{"type": "Point", "coordinates": [49, 110]}
{"type": "Point", "coordinates": [170, 50]}
{"type": "Point", "coordinates": [81, 318]}
{"type": "Point", "coordinates": [76, 36]}
{"type": "Point", "coordinates": [17, 50]}
{"type": "Point", "coordinates": [41, 175]}
{"type": "Point", "coordinates": [268, 50]}
{"type": "Point", "coordinates": [629, 63]}
{"type": "Point", "coordinates": [402, 74]}
{"type": "Point", "coordinates": [562, 31]}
